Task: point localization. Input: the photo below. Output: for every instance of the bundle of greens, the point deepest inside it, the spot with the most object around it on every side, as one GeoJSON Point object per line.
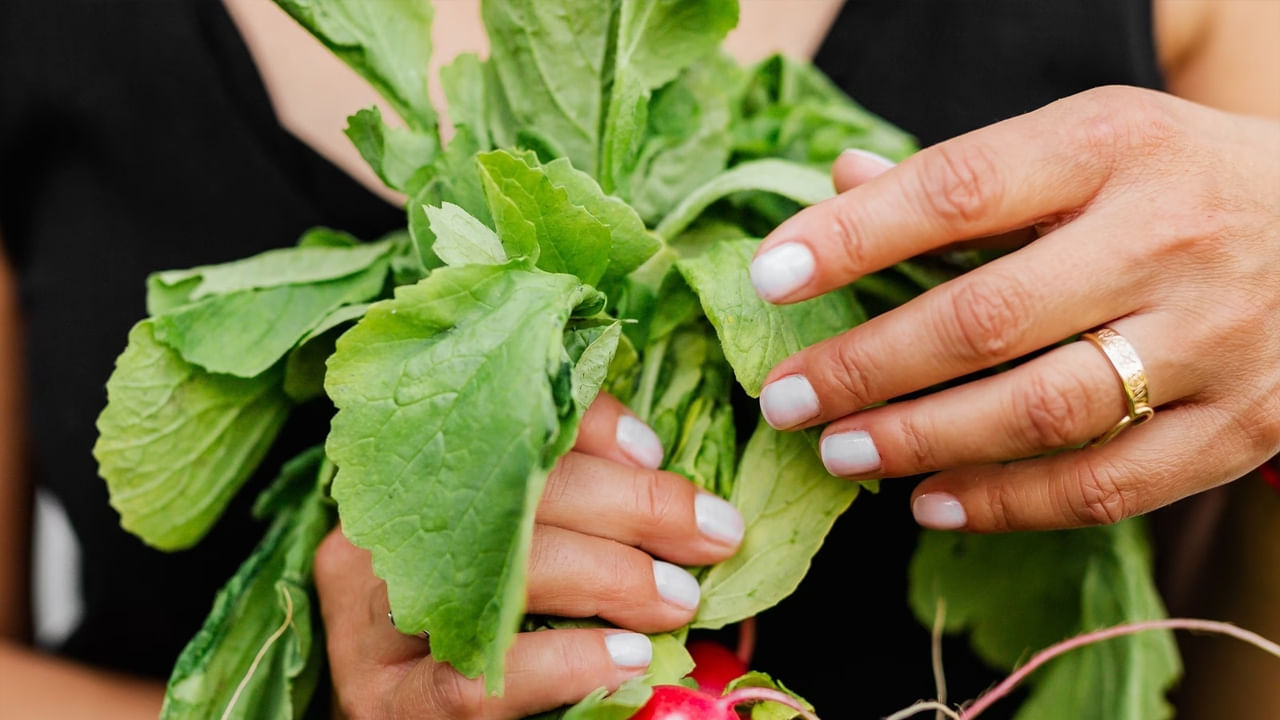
{"type": "Point", "coordinates": [587, 227]}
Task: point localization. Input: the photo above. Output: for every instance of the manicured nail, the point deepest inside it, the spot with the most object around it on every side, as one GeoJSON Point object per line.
{"type": "Point", "coordinates": [788, 402]}
{"type": "Point", "coordinates": [939, 510]}
{"type": "Point", "coordinates": [850, 453]}
{"type": "Point", "coordinates": [717, 519]}
{"type": "Point", "coordinates": [639, 442]}
{"type": "Point", "coordinates": [782, 270]}
{"type": "Point", "coordinates": [676, 585]}
{"type": "Point", "coordinates": [880, 160]}
{"type": "Point", "coordinates": [629, 650]}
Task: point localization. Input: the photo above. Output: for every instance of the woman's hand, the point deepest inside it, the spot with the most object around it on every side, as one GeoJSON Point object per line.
{"type": "Point", "coordinates": [1152, 215]}
{"type": "Point", "coordinates": [605, 514]}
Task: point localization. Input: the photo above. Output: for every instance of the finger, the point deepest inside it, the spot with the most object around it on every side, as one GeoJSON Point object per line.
{"type": "Point", "coordinates": [1061, 399]}
{"type": "Point", "coordinates": [856, 166]}
{"type": "Point", "coordinates": [1000, 178]}
{"type": "Point", "coordinates": [609, 430]}
{"type": "Point", "coordinates": [353, 602]}
{"type": "Point", "coordinates": [1181, 451]}
{"type": "Point", "coordinates": [661, 512]}
{"type": "Point", "coordinates": [1003, 310]}
{"type": "Point", "coordinates": [545, 670]}
{"type": "Point", "coordinates": [576, 575]}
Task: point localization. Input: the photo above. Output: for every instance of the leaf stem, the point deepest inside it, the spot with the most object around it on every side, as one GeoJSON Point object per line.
{"type": "Point", "coordinates": [757, 694]}
{"type": "Point", "coordinates": [925, 706]}
{"type": "Point", "coordinates": [1044, 656]}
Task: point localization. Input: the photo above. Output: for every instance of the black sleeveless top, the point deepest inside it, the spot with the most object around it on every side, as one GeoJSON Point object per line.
{"type": "Point", "coordinates": [136, 135]}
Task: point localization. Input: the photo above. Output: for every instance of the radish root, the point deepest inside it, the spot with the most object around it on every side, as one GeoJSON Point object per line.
{"type": "Point", "coordinates": [758, 694]}
{"type": "Point", "coordinates": [988, 698]}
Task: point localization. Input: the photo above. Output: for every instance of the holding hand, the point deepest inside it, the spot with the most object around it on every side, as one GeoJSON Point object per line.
{"type": "Point", "coordinates": [1153, 216]}
{"type": "Point", "coordinates": [605, 515]}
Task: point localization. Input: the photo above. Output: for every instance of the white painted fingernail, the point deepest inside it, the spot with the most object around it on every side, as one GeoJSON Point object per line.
{"type": "Point", "coordinates": [717, 519]}
{"type": "Point", "coordinates": [782, 270]}
{"type": "Point", "coordinates": [939, 510]}
{"type": "Point", "coordinates": [629, 650]}
{"type": "Point", "coordinates": [676, 585]}
{"type": "Point", "coordinates": [639, 442]}
{"type": "Point", "coordinates": [880, 160]}
{"type": "Point", "coordinates": [788, 402]}
{"type": "Point", "coordinates": [850, 453]}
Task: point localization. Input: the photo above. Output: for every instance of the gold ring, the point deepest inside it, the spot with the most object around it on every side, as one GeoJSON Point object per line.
{"type": "Point", "coordinates": [1133, 378]}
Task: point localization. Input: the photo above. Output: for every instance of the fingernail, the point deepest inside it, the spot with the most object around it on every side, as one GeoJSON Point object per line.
{"type": "Point", "coordinates": [629, 650]}
{"type": "Point", "coordinates": [782, 270]}
{"type": "Point", "coordinates": [939, 510]}
{"type": "Point", "coordinates": [676, 585]}
{"type": "Point", "coordinates": [717, 519]}
{"type": "Point", "coordinates": [789, 401]}
{"type": "Point", "coordinates": [850, 453]}
{"type": "Point", "coordinates": [881, 160]}
{"type": "Point", "coordinates": [639, 442]}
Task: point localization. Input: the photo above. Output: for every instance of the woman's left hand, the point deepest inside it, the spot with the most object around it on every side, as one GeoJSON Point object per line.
{"type": "Point", "coordinates": [1148, 214]}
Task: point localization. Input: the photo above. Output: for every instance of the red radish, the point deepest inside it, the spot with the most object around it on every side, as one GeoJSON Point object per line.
{"type": "Point", "coordinates": [675, 702]}
{"type": "Point", "coordinates": [715, 666]}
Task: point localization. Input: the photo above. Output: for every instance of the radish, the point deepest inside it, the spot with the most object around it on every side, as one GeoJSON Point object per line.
{"type": "Point", "coordinates": [676, 702]}
{"type": "Point", "coordinates": [715, 666]}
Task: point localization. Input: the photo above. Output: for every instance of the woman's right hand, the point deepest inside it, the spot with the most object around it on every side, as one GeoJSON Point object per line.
{"type": "Point", "coordinates": [606, 517]}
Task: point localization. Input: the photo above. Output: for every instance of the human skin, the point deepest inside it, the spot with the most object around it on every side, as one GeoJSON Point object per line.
{"type": "Point", "coordinates": [1130, 208]}
{"type": "Point", "coordinates": [1208, 48]}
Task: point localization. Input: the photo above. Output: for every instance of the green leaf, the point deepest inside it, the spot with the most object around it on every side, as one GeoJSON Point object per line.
{"type": "Point", "coordinates": [630, 244]}
{"type": "Point", "coordinates": [465, 85]}
{"type": "Point", "coordinates": [687, 141]}
{"type": "Point", "coordinates": [304, 367]}
{"type": "Point", "coordinates": [797, 182]}
{"type": "Point", "coordinates": [656, 40]}
{"type": "Point", "coordinates": [246, 332]}
{"type": "Point", "coordinates": [462, 239]}
{"type": "Point", "coordinates": [1019, 593]}
{"type": "Point", "coordinates": [592, 361]}
{"type": "Point", "coordinates": [388, 42]}
{"type": "Point", "coordinates": [789, 503]}
{"type": "Point", "coordinates": [399, 156]}
{"type": "Point", "coordinates": [548, 62]}
{"type": "Point", "coordinates": [538, 219]}
{"type": "Point", "coordinates": [789, 109]}
{"type": "Point", "coordinates": [618, 705]}
{"type": "Point", "coordinates": [257, 654]}
{"type": "Point", "coordinates": [446, 408]}
{"type": "Point", "coordinates": [307, 264]}
{"type": "Point", "coordinates": [757, 335]}
{"type": "Point", "coordinates": [175, 443]}
{"type": "Point", "coordinates": [768, 710]}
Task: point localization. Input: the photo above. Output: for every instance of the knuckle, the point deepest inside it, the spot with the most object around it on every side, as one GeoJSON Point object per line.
{"type": "Point", "coordinates": [1096, 495]}
{"type": "Point", "coordinates": [1126, 117]}
{"type": "Point", "coordinates": [851, 373]}
{"type": "Point", "coordinates": [850, 239]}
{"type": "Point", "coordinates": [1052, 409]}
{"type": "Point", "coordinates": [453, 696]}
{"type": "Point", "coordinates": [959, 182]}
{"type": "Point", "coordinates": [987, 317]}
{"type": "Point", "coordinates": [1001, 503]}
{"type": "Point", "coordinates": [915, 441]}
{"type": "Point", "coordinates": [657, 501]}
{"type": "Point", "coordinates": [328, 560]}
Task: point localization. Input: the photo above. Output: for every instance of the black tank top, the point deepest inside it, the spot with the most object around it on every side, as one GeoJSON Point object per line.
{"type": "Point", "coordinates": [136, 135]}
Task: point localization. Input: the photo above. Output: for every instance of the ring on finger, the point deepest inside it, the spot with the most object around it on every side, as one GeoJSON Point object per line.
{"type": "Point", "coordinates": [1133, 379]}
{"type": "Point", "coordinates": [424, 634]}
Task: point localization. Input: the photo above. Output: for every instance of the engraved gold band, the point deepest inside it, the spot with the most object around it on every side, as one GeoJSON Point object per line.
{"type": "Point", "coordinates": [1133, 378]}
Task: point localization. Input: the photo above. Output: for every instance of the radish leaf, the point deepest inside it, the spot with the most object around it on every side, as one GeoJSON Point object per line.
{"type": "Point", "coordinates": [387, 42]}
{"type": "Point", "coordinates": [789, 503]}
{"type": "Point", "coordinates": [1018, 593]}
{"type": "Point", "coordinates": [448, 402]}
{"type": "Point", "coordinates": [757, 335]}
{"type": "Point", "coordinates": [175, 442]}
{"type": "Point", "coordinates": [399, 156]}
{"type": "Point", "coordinates": [257, 654]}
